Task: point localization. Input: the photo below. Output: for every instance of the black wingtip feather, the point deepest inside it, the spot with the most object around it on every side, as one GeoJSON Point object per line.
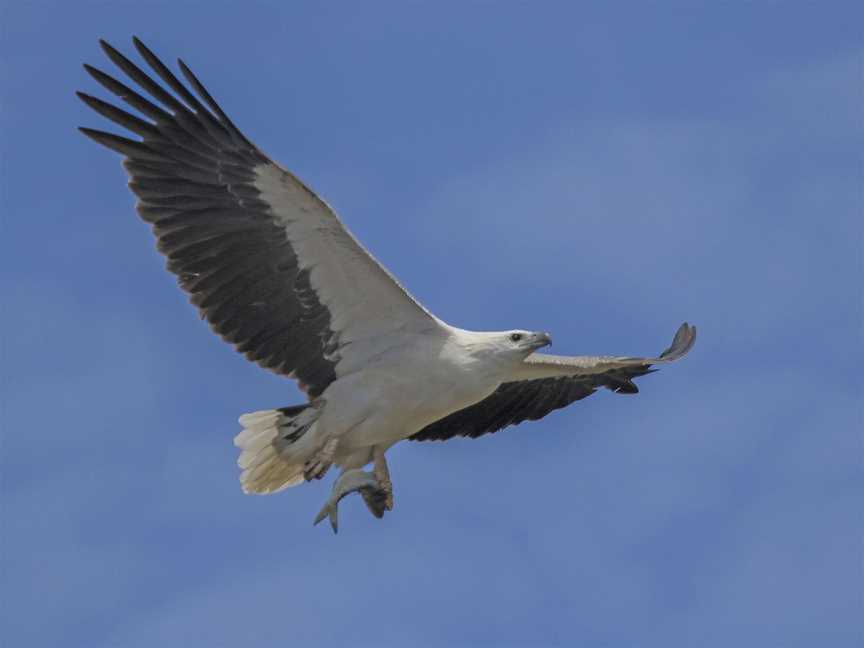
{"type": "Point", "coordinates": [211, 102]}
{"type": "Point", "coordinates": [195, 162]}
{"type": "Point", "coordinates": [118, 116]}
{"type": "Point", "coordinates": [92, 71]}
{"type": "Point", "coordinates": [109, 49]}
{"type": "Point", "coordinates": [166, 75]}
{"type": "Point", "coordinates": [143, 79]}
{"type": "Point", "coordinates": [121, 145]}
{"type": "Point", "coordinates": [128, 95]}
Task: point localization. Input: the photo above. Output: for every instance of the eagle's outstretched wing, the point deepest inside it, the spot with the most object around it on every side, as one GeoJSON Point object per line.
{"type": "Point", "coordinates": [532, 399]}
{"type": "Point", "coordinates": [267, 262]}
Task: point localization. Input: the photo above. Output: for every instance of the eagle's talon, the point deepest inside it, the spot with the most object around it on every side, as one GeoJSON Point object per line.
{"type": "Point", "coordinates": [386, 493]}
{"type": "Point", "coordinates": [382, 474]}
{"type": "Point", "coordinates": [376, 499]}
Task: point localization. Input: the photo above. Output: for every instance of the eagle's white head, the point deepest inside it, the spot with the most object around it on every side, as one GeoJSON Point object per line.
{"type": "Point", "coordinates": [520, 343]}
{"type": "Point", "coordinates": [502, 349]}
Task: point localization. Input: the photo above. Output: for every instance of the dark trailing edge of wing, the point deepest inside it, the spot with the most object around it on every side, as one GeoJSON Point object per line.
{"type": "Point", "coordinates": [193, 173]}
{"type": "Point", "coordinates": [528, 400]}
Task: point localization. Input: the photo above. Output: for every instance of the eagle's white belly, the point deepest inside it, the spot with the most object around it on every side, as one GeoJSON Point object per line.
{"type": "Point", "coordinates": [403, 393]}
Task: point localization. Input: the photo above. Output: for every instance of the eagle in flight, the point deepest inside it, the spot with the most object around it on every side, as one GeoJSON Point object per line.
{"type": "Point", "coordinates": [275, 272]}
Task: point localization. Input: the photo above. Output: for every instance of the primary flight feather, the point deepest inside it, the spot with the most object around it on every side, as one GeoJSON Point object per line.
{"type": "Point", "coordinates": [275, 273]}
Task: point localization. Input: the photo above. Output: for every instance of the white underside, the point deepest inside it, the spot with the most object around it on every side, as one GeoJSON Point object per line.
{"type": "Point", "coordinates": [400, 392]}
{"type": "Point", "coordinates": [412, 380]}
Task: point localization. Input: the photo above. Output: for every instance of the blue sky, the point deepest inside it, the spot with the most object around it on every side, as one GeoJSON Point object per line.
{"type": "Point", "coordinates": [603, 171]}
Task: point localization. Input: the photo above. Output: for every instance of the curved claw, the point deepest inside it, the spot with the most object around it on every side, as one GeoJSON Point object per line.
{"type": "Point", "coordinates": [376, 500]}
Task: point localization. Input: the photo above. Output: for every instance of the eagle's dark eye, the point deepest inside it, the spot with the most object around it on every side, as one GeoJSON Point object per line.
{"type": "Point", "coordinates": [515, 336]}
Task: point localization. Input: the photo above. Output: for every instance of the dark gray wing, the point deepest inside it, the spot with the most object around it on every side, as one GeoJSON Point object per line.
{"type": "Point", "coordinates": [526, 400]}
{"type": "Point", "coordinates": [270, 266]}
{"type": "Point", "coordinates": [530, 400]}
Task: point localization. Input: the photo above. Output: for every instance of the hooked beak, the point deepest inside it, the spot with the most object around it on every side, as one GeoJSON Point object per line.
{"type": "Point", "coordinates": [541, 340]}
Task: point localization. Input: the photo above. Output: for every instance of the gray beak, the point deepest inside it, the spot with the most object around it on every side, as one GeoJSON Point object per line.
{"type": "Point", "coordinates": [541, 340]}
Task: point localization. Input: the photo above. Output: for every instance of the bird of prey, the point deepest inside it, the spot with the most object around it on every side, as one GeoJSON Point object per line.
{"type": "Point", "coordinates": [275, 272]}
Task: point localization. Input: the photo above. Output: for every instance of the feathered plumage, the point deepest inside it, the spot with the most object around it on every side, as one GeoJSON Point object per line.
{"type": "Point", "coordinates": [275, 273]}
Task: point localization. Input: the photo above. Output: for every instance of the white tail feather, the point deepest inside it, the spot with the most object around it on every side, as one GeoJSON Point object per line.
{"type": "Point", "coordinates": [270, 455]}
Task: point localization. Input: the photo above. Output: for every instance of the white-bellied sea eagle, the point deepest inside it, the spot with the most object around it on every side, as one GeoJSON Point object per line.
{"type": "Point", "coordinates": [275, 273]}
